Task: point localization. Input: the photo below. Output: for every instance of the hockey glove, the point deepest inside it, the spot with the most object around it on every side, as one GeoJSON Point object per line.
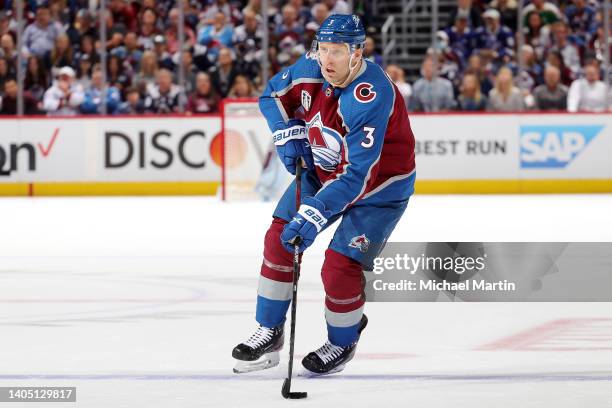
{"type": "Point", "coordinates": [307, 223]}
{"type": "Point", "coordinates": [292, 143]}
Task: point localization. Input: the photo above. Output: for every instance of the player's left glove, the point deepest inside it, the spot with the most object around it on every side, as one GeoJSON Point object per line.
{"type": "Point", "coordinates": [307, 223]}
{"type": "Point", "coordinates": [291, 143]}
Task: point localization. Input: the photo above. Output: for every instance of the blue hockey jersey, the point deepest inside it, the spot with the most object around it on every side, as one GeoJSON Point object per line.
{"type": "Point", "coordinates": [361, 139]}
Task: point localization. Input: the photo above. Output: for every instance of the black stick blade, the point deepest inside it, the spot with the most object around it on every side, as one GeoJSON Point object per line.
{"type": "Point", "coordinates": [287, 394]}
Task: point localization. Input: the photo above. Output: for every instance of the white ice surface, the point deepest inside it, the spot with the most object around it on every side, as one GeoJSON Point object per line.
{"type": "Point", "coordinates": [138, 302]}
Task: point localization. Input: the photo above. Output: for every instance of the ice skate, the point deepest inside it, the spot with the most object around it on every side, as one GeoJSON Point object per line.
{"type": "Point", "coordinates": [260, 351]}
{"type": "Point", "coordinates": [329, 358]}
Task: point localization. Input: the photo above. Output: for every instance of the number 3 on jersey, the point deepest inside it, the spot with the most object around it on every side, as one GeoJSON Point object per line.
{"type": "Point", "coordinates": [369, 138]}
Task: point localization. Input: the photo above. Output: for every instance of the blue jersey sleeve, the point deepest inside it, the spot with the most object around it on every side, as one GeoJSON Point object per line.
{"type": "Point", "coordinates": [282, 96]}
{"type": "Point", "coordinates": [365, 108]}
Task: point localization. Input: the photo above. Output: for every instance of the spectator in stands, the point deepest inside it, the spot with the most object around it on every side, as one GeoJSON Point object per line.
{"type": "Point", "coordinates": [93, 99]}
{"type": "Point", "coordinates": [532, 73]}
{"type": "Point", "coordinates": [148, 71]}
{"type": "Point", "coordinates": [554, 58]}
{"type": "Point", "coordinates": [337, 6]}
{"type": "Point", "coordinates": [475, 66]}
{"type": "Point", "coordinates": [171, 32]}
{"type": "Point", "coordinates": [303, 12]}
{"type": "Point", "coordinates": [561, 44]}
{"type": "Point", "coordinates": [36, 78]}
{"type": "Point", "coordinates": [396, 73]}
{"type": "Point", "coordinates": [242, 88]}
{"type": "Point", "coordinates": [62, 53]}
{"type": "Point", "coordinates": [148, 28]}
{"type": "Point", "coordinates": [216, 35]}
{"type": "Point", "coordinates": [133, 105]}
{"type": "Point", "coordinates": [369, 52]}
{"type": "Point", "coordinates": [39, 37]}
{"type": "Point", "coordinates": [247, 41]}
{"type": "Point", "coordinates": [7, 49]}
{"type": "Point", "coordinates": [536, 34]}
{"type": "Point", "coordinates": [508, 12]}
{"type": "Point", "coordinates": [204, 99]}
{"type": "Point", "coordinates": [60, 12]}
{"type": "Point", "coordinates": [253, 6]}
{"type": "Point", "coordinates": [505, 97]}
{"type": "Point", "coordinates": [588, 94]}
{"type": "Point", "coordinates": [319, 12]}
{"type": "Point", "coordinates": [552, 95]}
{"type": "Point", "coordinates": [494, 41]}
{"type": "Point", "coordinates": [459, 38]}
{"type": "Point", "coordinates": [465, 9]}
{"type": "Point", "coordinates": [5, 22]}
{"type": "Point", "coordinates": [290, 26]}
{"type": "Point", "coordinates": [114, 45]}
{"type": "Point", "coordinates": [122, 13]}
{"type": "Point", "coordinates": [580, 17]}
{"type": "Point", "coordinates": [83, 72]}
{"type": "Point", "coordinates": [597, 45]}
{"type": "Point", "coordinates": [164, 96]}
{"type": "Point", "coordinates": [232, 14]}
{"type": "Point", "coordinates": [547, 11]}
{"type": "Point", "coordinates": [6, 71]}
{"type": "Point", "coordinates": [224, 72]}
{"type": "Point", "coordinates": [189, 71]}
{"type": "Point", "coordinates": [449, 63]}
{"type": "Point", "coordinates": [163, 57]}
{"type": "Point", "coordinates": [83, 25]}
{"type": "Point", "coordinates": [133, 53]}
{"type": "Point", "coordinates": [65, 95]}
{"type": "Point", "coordinates": [8, 100]}
{"type": "Point", "coordinates": [429, 94]}
{"type": "Point", "coordinates": [117, 74]}
{"type": "Point", "coordinates": [87, 47]}
{"type": "Point", "coordinates": [471, 99]}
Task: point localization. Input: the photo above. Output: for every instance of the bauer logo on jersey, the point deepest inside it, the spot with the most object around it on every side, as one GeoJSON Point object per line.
{"type": "Point", "coordinates": [325, 143]}
{"type": "Point", "coordinates": [306, 99]}
{"type": "Point", "coordinates": [363, 92]}
{"type": "Point", "coordinates": [361, 242]}
{"type": "Point", "coordinates": [554, 146]}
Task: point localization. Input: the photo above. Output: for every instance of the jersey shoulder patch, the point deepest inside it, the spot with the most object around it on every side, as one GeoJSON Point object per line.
{"type": "Point", "coordinates": [370, 93]}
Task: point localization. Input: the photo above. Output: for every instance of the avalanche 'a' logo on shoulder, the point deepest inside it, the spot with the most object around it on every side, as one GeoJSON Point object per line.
{"type": "Point", "coordinates": [364, 92]}
{"type": "Point", "coordinates": [306, 100]}
{"type": "Point", "coordinates": [361, 242]}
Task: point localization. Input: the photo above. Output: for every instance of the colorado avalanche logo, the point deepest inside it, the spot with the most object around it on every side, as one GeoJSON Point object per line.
{"type": "Point", "coordinates": [361, 242]}
{"type": "Point", "coordinates": [325, 144]}
{"type": "Point", "coordinates": [363, 92]}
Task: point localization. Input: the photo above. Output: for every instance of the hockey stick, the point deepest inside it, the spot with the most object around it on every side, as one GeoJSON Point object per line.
{"type": "Point", "coordinates": [286, 390]}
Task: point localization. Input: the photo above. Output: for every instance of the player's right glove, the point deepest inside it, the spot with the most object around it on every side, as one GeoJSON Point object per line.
{"type": "Point", "coordinates": [291, 143]}
{"type": "Point", "coordinates": [307, 223]}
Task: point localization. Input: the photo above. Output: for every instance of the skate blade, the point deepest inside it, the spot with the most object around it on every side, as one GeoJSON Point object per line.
{"type": "Point", "coordinates": [306, 373]}
{"type": "Point", "coordinates": [266, 361]}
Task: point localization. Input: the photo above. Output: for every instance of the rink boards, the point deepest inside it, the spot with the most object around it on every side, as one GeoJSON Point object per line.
{"type": "Point", "coordinates": [183, 155]}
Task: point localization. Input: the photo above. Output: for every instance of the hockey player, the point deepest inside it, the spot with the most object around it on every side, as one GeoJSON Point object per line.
{"type": "Point", "coordinates": [345, 118]}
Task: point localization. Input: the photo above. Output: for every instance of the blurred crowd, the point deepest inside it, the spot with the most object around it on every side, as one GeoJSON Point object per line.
{"type": "Point", "coordinates": [477, 63]}
{"type": "Point", "coordinates": [473, 66]}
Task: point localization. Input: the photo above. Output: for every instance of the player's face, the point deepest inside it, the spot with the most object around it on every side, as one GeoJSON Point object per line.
{"type": "Point", "coordinates": [334, 59]}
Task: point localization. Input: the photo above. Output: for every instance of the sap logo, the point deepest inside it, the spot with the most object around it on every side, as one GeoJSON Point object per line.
{"type": "Point", "coordinates": [554, 146]}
